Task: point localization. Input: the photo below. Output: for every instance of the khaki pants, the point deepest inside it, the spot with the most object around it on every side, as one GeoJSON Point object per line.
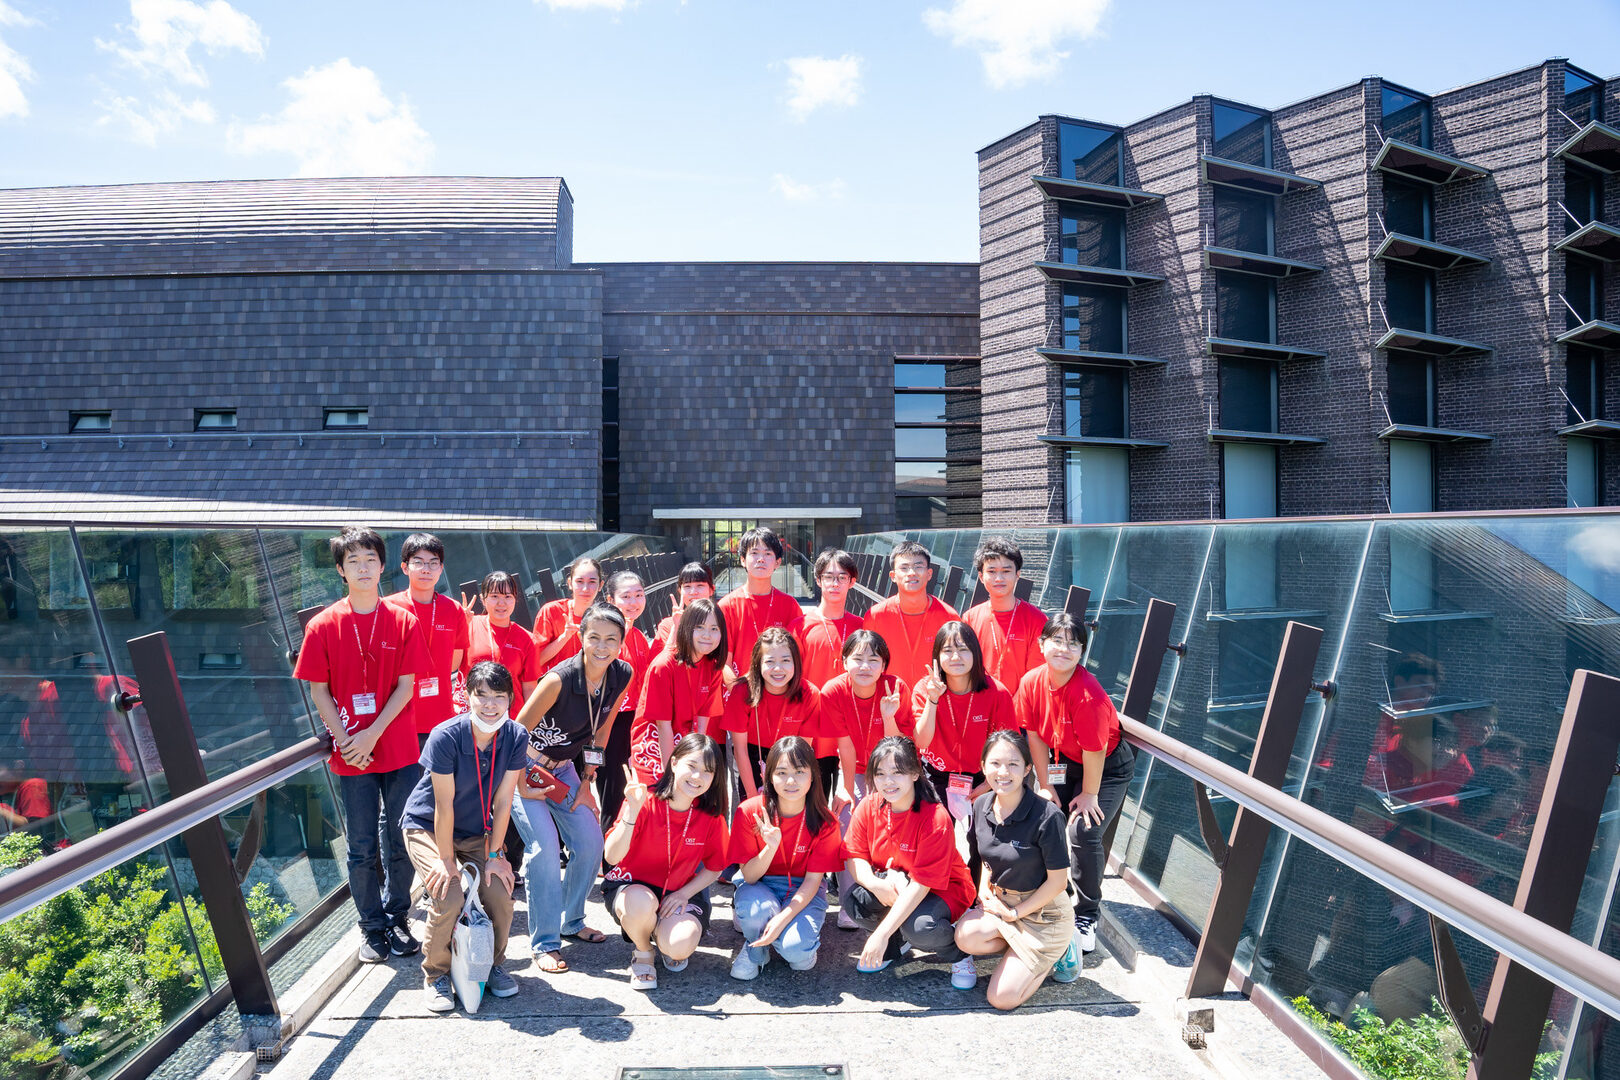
{"type": "Point", "coordinates": [442, 914]}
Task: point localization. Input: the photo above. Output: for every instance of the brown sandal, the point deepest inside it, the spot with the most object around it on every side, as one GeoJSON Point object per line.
{"type": "Point", "coordinates": [589, 935]}
{"type": "Point", "coordinates": [550, 962]}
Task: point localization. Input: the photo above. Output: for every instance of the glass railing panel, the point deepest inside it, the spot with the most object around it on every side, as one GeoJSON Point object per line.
{"type": "Point", "coordinates": [71, 765]}
{"type": "Point", "coordinates": [1079, 557]}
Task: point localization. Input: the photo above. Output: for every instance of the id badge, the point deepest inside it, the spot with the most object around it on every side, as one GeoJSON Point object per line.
{"type": "Point", "coordinates": [365, 704]}
{"type": "Point", "coordinates": [961, 784]}
{"type": "Point", "coordinates": [1057, 772]}
{"type": "Point", "coordinates": [594, 756]}
{"type": "Point", "coordinates": [428, 687]}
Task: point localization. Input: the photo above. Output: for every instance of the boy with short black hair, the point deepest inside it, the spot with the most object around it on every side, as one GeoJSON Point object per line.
{"type": "Point", "coordinates": [444, 629]}
{"type": "Point", "coordinates": [821, 633]}
{"type": "Point", "coordinates": [361, 658]}
{"type": "Point", "coordinates": [1009, 629]}
{"type": "Point", "coordinates": [693, 583]}
{"type": "Point", "coordinates": [908, 620]}
{"type": "Point", "coordinates": [756, 605]}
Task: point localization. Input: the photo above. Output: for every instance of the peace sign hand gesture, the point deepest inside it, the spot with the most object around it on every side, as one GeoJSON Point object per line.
{"type": "Point", "coordinates": [675, 606]}
{"type": "Point", "coordinates": [932, 684]}
{"type": "Point", "coordinates": [770, 834]}
{"type": "Point", "coordinates": [889, 704]}
{"type": "Point", "coordinates": [635, 792]}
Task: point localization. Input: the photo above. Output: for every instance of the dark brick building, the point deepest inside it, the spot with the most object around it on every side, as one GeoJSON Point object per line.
{"type": "Point", "coordinates": [1368, 300]}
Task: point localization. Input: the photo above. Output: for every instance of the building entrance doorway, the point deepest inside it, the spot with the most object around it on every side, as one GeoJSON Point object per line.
{"type": "Point", "coordinates": [719, 538]}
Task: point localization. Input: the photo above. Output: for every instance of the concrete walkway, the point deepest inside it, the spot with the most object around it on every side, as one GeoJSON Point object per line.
{"type": "Point", "coordinates": [906, 1023]}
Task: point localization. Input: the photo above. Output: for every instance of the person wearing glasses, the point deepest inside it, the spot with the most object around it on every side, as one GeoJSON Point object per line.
{"type": "Point", "coordinates": [821, 634]}
{"type": "Point", "coordinates": [444, 629]}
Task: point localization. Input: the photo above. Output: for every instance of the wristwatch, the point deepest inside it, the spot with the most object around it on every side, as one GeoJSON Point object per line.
{"type": "Point", "coordinates": [496, 855]}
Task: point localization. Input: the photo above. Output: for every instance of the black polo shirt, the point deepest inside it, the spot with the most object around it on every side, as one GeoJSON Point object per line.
{"type": "Point", "coordinates": [567, 726]}
{"type": "Point", "coordinates": [1020, 850]}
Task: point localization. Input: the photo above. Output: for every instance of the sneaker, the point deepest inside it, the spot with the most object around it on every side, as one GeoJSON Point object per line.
{"type": "Point", "coordinates": [401, 942]}
{"type": "Point", "coordinates": [374, 948]}
{"type": "Point", "coordinates": [1067, 969]}
{"type": "Point", "coordinates": [845, 922]}
{"type": "Point", "coordinates": [1085, 932]}
{"type": "Point", "coordinates": [437, 995]}
{"type": "Point", "coordinates": [743, 969]}
{"type": "Point", "coordinates": [965, 974]}
{"type": "Point", "coordinates": [806, 964]}
{"type": "Point", "coordinates": [500, 983]}
{"type": "Point", "coordinates": [675, 965]}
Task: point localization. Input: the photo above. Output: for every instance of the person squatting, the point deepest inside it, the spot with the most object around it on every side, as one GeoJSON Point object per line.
{"type": "Point", "coordinates": [953, 774]}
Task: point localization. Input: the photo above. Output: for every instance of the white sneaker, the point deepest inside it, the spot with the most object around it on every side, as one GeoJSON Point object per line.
{"type": "Point", "coordinates": [845, 922]}
{"type": "Point", "coordinates": [743, 968]}
{"type": "Point", "coordinates": [965, 974]}
{"type": "Point", "coordinates": [1085, 933]}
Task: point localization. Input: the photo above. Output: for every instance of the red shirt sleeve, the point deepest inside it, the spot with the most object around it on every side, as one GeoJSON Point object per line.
{"type": "Point", "coordinates": [463, 625]}
{"type": "Point", "coordinates": [827, 853]}
{"type": "Point", "coordinates": [549, 623]}
{"type": "Point", "coordinates": [744, 843]}
{"type": "Point", "coordinates": [734, 711]}
{"type": "Point", "coordinates": [936, 844]}
{"type": "Point", "coordinates": [857, 839]}
{"type": "Point", "coordinates": [710, 704]}
{"type": "Point", "coordinates": [1025, 700]}
{"type": "Point", "coordinates": [1095, 721]}
{"type": "Point", "coordinates": [315, 654]}
{"type": "Point", "coordinates": [657, 696]}
{"type": "Point", "coordinates": [812, 727]}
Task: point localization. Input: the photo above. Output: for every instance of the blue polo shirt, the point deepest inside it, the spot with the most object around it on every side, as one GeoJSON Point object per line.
{"type": "Point", "coordinates": [450, 749]}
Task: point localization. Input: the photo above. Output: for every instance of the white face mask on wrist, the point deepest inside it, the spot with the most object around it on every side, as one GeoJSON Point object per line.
{"type": "Point", "coordinates": [492, 726]}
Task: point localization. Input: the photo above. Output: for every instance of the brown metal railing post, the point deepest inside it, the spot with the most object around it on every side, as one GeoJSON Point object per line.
{"type": "Point", "coordinates": [1075, 602]}
{"type": "Point", "coordinates": [1246, 845]}
{"type": "Point", "coordinates": [1578, 779]}
{"type": "Point", "coordinates": [205, 843]}
{"type": "Point", "coordinates": [1144, 679]}
{"type": "Point", "coordinates": [520, 610]}
{"type": "Point", "coordinates": [951, 586]}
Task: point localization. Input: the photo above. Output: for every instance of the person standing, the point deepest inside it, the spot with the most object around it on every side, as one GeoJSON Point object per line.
{"type": "Point", "coordinates": [958, 705]}
{"type": "Point", "coordinates": [626, 591]}
{"type": "Point", "coordinates": [756, 605]}
{"type": "Point", "coordinates": [444, 629]}
{"type": "Point", "coordinates": [1009, 629]}
{"type": "Point", "coordinates": [693, 583]}
{"type": "Point", "coordinates": [770, 701]}
{"type": "Point", "coordinates": [821, 634]}
{"type": "Point", "coordinates": [909, 619]}
{"type": "Point", "coordinates": [681, 693]}
{"type": "Point", "coordinates": [556, 628]}
{"type": "Point", "coordinates": [493, 636]}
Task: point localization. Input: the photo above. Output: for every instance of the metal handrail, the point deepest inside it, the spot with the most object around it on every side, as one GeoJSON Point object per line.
{"type": "Point", "coordinates": [44, 879]}
{"type": "Point", "coordinates": [1555, 956]}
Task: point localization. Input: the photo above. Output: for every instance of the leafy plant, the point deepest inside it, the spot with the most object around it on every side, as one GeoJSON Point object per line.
{"type": "Point", "coordinates": [1426, 1047]}
{"type": "Point", "coordinates": [106, 963]}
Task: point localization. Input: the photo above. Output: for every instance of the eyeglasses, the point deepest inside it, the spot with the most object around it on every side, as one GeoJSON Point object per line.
{"type": "Point", "coordinates": [424, 564]}
{"type": "Point", "coordinates": [834, 579]}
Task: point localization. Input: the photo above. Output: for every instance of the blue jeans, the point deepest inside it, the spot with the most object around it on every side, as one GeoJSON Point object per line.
{"type": "Point", "coordinates": [556, 897]}
{"type": "Point", "coordinates": [755, 905]}
{"type": "Point", "coordinates": [373, 803]}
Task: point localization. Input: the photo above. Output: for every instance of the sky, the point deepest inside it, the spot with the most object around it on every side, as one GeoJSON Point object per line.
{"type": "Point", "coordinates": [695, 129]}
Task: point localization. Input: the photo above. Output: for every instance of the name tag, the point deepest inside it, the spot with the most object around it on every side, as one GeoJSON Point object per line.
{"type": "Point", "coordinates": [961, 784]}
{"type": "Point", "coordinates": [594, 756]}
{"type": "Point", "coordinates": [1058, 772]}
{"type": "Point", "coordinates": [427, 687]}
{"type": "Point", "coordinates": [365, 704]}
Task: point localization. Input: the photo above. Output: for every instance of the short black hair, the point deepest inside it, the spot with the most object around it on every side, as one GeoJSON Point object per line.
{"type": "Point", "coordinates": [489, 675]}
{"type": "Point", "coordinates": [907, 760]}
{"type": "Point", "coordinates": [870, 638]}
{"type": "Point", "coordinates": [357, 538]}
{"type": "Point", "coordinates": [499, 581]}
{"type": "Point", "coordinates": [909, 547]}
{"type": "Point", "coordinates": [713, 801]}
{"type": "Point", "coordinates": [574, 568]}
{"type": "Point", "coordinates": [978, 678]}
{"type": "Point", "coordinates": [1064, 622]}
{"type": "Point", "coordinates": [421, 542]}
{"type": "Point", "coordinates": [759, 534]}
{"type": "Point", "coordinates": [836, 557]}
{"type": "Point", "coordinates": [693, 573]}
{"type": "Point", "coordinates": [997, 547]}
{"type": "Point", "coordinates": [605, 612]}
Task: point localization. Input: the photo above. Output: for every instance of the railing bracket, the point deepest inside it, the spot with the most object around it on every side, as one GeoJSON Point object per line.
{"type": "Point", "coordinates": [1327, 688]}
{"type": "Point", "coordinates": [1179, 648]}
{"type": "Point", "coordinates": [1209, 827]}
{"type": "Point", "coordinates": [1456, 993]}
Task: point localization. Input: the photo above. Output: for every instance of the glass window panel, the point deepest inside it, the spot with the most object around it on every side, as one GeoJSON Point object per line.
{"type": "Point", "coordinates": [1581, 457]}
{"type": "Point", "coordinates": [1584, 375]}
{"type": "Point", "coordinates": [1093, 237]}
{"type": "Point", "coordinates": [1583, 97]}
{"type": "Point", "coordinates": [1095, 402]}
{"type": "Point", "coordinates": [919, 408]}
{"type": "Point", "coordinates": [610, 406]}
{"type": "Point", "coordinates": [1248, 393]}
{"type": "Point", "coordinates": [919, 442]}
{"type": "Point", "coordinates": [215, 419]}
{"type": "Point", "coordinates": [1409, 208]}
{"type": "Point", "coordinates": [610, 441]}
{"type": "Point", "coordinates": [1583, 288]}
{"type": "Point", "coordinates": [1098, 485]}
{"type": "Point", "coordinates": [921, 512]}
{"type": "Point", "coordinates": [1245, 306]}
{"type": "Point", "coordinates": [610, 372]}
{"type": "Point", "coordinates": [1583, 196]}
{"type": "Point", "coordinates": [1093, 318]}
{"type": "Point", "coordinates": [919, 477]}
{"type": "Point", "coordinates": [1409, 297]}
{"type": "Point", "coordinates": [1249, 565]}
{"type": "Point", "coordinates": [909, 374]}
{"type": "Point", "coordinates": [83, 423]}
{"type": "Point", "coordinates": [345, 418]}
{"type": "Point", "coordinates": [1411, 477]}
{"type": "Point", "coordinates": [1243, 220]}
{"type": "Point", "coordinates": [1242, 135]}
{"type": "Point", "coordinates": [1411, 390]}
{"type": "Point", "coordinates": [1406, 117]}
{"type": "Point", "coordinates": [1089, 153]}
{"type": "Point", "coordinates": [1248, 480]}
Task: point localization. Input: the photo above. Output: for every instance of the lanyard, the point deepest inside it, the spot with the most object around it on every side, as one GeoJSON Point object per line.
{"type": "Point", "coordinates": [365, 650]}
{"type": "Point", "coordinates": [486, 803]}
{"type": "Point", "coordinates": [593, 713]}
{"type": "Point", "coordinates": [793, 848]}
{"type": "Point", "coordinates": [864, 723]}
{"type": "Point", "coordinates": [832, 627]}
{"type": "Point", "coordinates": [911, 643]}
{"type": "Point", "coordinates": [958, 734]}
{"type": "Point", "coordinates": [756, 726]}
{"type": "Point", "coordinates": [669, 835]}
{"type": "Point", "coordinates": [1065, 720]}
{"type": "Point", "coordinates": [430, 607]}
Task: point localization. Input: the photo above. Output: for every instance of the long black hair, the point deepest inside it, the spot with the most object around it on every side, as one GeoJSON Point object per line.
{"type": "Point", "coordinates": [978, 678]}
{"type": "Point", "coordinates": [903, 752]}
{"type": "Point", "coordinates": [713, 801]}
{"type": "Point", "coordinates": [694, 616]}
{"type": "Point", "coordinates": [798, 752]}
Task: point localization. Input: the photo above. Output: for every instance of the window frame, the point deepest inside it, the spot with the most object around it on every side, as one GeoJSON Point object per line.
{"type": "Point", "coordinates": [1428, 276]}
{"type": "Point", "coordinates": [1110, 216]}
{"type": "Point", "coordinates": [78, 416]}
{"type": "Point", "coordinates": [1425, 126]}
{"type": "Point", "coordinates": [1426, 194]}
{"type": "Point", "coordinates": [1104, 292]}
{"type": "Point", "coordinates": [364, 411]}
{"type": "Point", "coordinates": [1074, 379]}
{"type": "Point", "coordinates": [1066, 169]}
{"type": "Point", "coordinates": [1268, 203]}
{"type": "Point", "coordinates": [1237, 364]}
{"type": "Point", "coordinates": [1594, 85]}
{"type": "Point", "coordinates": [197, 416]}
{"type": "Point", "coordinates": [1431, 387]}
{"type": "Point", "coordinates": [1268, 155]}
{"type": "Point", "coordinates": [1252, 281]}
{"type": "Point", "coordinates": [1594, 387]}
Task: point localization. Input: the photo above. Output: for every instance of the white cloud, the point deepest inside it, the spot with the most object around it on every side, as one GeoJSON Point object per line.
{"type": "Point", "coordinates": [143, 122]}
{"type": "Point", "coordinates": [794, 191]}
{"type": "Point", "coordinates": [814, 81]}
{"type": "Point", "coordinates": [340, 123]}
{"type": "Point", "coordinates": [1598, 546]}
{"type": "Point", "coordinates": [14, 69]}
{"type": "Point", "coordinates": [163, 33]}
{"type": "Point", "coordinates": [1017, 39]}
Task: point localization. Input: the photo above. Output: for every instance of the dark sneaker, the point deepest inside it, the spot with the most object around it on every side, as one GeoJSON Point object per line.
{"type": "Point", "coordinates": [500, 983]}
{"type": "Point", "coordinates": [437, 995]}
{"type": "Point", "coordinates": [374, 947]}
{"type": "Point", "coordinates": [401, 942]}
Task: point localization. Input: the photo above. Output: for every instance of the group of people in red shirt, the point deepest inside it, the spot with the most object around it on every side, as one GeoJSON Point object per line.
{"type": "Point", "coordinates": [955, 774]}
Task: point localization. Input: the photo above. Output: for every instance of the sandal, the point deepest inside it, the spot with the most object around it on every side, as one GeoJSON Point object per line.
{"type": "Point", "coordinates": [588, 934]}
{"type": "Point", "coordinates": [643, 976]}
{"type": "Point", "coordinates": [551, 963]}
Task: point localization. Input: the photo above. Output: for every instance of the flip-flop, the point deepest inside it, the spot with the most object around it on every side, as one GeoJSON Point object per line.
{"type": "Point", "coordinates": [588, 934]}
{"type": "Point", "coordinates": [551, 963]}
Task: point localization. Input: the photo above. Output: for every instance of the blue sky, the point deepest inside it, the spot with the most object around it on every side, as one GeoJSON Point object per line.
{"type": "Point", "coordinates": [709, 129]}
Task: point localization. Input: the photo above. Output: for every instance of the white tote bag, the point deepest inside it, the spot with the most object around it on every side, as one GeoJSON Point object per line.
{"type": "Point", "coordinates": [472, 945]}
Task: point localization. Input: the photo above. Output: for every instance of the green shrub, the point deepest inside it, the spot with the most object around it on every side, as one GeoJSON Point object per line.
{"type": "Point", "coordinates": [1427, 1047]}
{"type": "Point", "coordinates": [106, 963]}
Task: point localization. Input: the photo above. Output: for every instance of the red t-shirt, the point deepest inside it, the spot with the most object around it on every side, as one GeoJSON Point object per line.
{"type": "Point", "coordinates": [638, 654]}
{"type": "Point", "coordinates": [1011, 640]}
{"type": "Point", "coordinates": [510, 645]}
{"type": "Point", "coordinates": [861, 719]}
{"type": "Point", "coordinates": [910, 637]}
{"type": "Point", "coordinates": [774, 717]}
{"type": "Point", "coordinates": [676, 692]}
{"type": "Point", "coordinates": [921, 841]}
{"type": "Point", "coordinates": [444, 630]}
{"type": "Point", "coordinates": [664, 634]}
{"type": "Point", "coordinates": [961, 724]}
{"type": "Point", "coordinates": [556, 620]}
{"type": "Point", "coordinates": [748, 616]}
{"type": "Point", "coordinates": [798, 855]}
{"type": "Point", "coordinates": [359, 655]}
{"type": "Point", "coordinates": [667, 848]}
{"type": "Point", "coordinates": [821, 645]}
{"type": "Point", "coordinates": [1071, 719]}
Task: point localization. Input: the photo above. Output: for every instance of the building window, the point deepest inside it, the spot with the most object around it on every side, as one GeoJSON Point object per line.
{"type": "Point", "coordinates": [1093, 318]}
{"type": "Point", "coordinates": [1097, 485]}
{"type": "Point", "coordinates": [1242, 134]}
{"type": "Point", "coordinates": [214, 420]}
{"type": "Point", "coordinates": [1090, 153]}
{"type": "Point", "coordinates": [1093, 237]}
{"type": "Point", "coordinates": [1248, 393]}
{"type": "Point", "coordinates": [1408, 208]}
{"type": "Point", "coordinates": [1411, 390]}
{"type": "Point", "coordinates": [1244, 221]}
{"type": "Point", "coordinates": [1583, 369]}
{"type": "Point", "coordinates": [610, 443]}
{"type": "Point", "coordinates": [1411, 477]}
{"type": "Point", "coordinates": [1583, 96]}
{"type": "Point", "coordinates": [347, 418]}
{"type": "Point", "coordinates": [1246, 306]}
{"type": "Point", "coordinates": [1409, 297]}
{"type": "Point", "coordinates": [1248, 480]}
{"type": "Point", "coordinates": [1583, 459]}
{"type": "Point", "coordinates": [936, 443]}
{"type": "Point", "coordinates": [1096, 402]}
{"type": "Point", "coordinates": [89, 423]}
{"type": "Point", "coordinates": [1583, 290]}
{"type": "Point", "coordinates": [1407, 116]}
{"type": "Point", "coordinates": [1583, 197]}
